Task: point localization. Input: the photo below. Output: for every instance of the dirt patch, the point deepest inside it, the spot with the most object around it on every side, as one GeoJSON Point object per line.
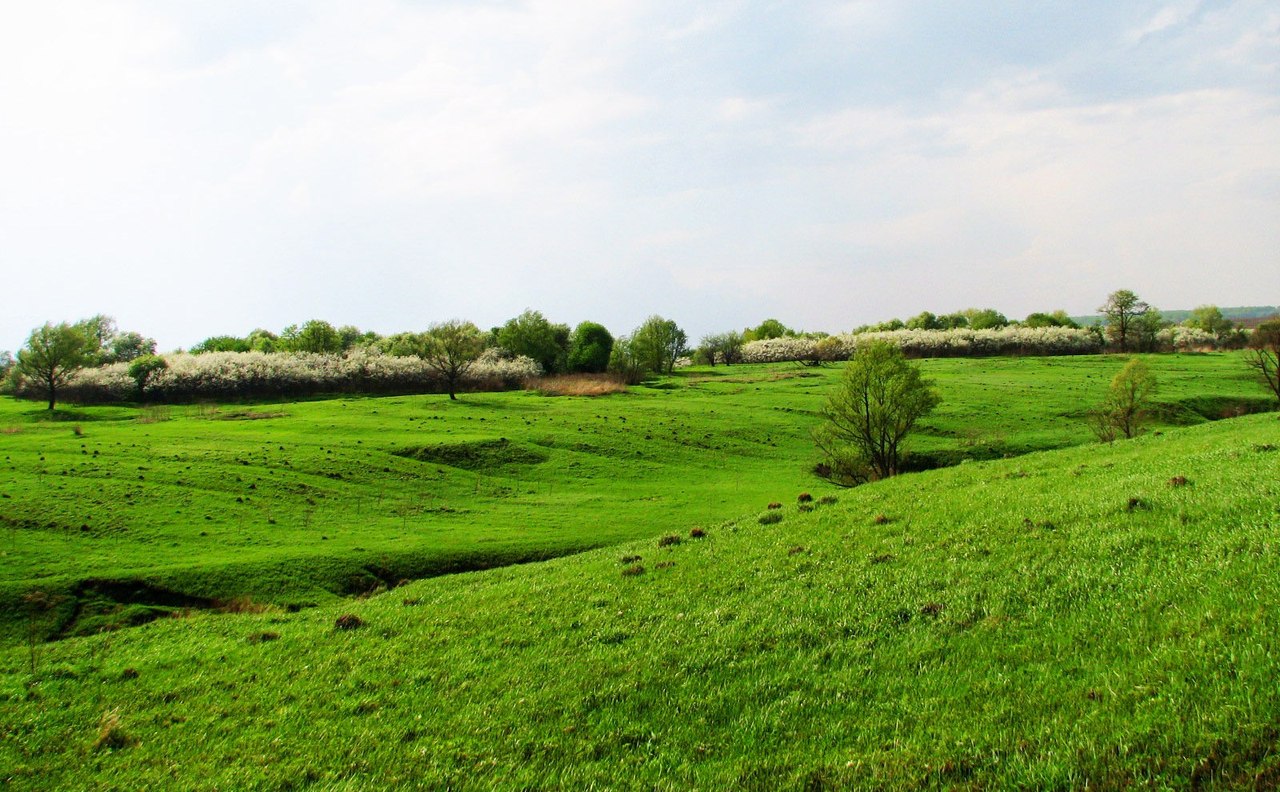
{"type": "Point", "coordinates": [478, 455]}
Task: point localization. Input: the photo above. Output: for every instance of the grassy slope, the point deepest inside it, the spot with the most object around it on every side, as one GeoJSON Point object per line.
{"type": "Point", "coordinates": [302, 501]}
{"type": "Point", "coordinates": [1064, 619]}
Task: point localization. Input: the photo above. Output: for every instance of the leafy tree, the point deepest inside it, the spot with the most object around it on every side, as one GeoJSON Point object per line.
{"type": "Point", "coordinates": [723, 347]}
{"type": "Point", "coordinates": [769, 328]}
{"type": "Point", "coordinates": [658, 344]}
{"type": "Point", "coordinates": [130, 346]}
{"type": "Point", "coordinates": [451, 348]}
{"type": "Point", "coordinates": [261, 341]}
{"type": "Point", "coordinates": [1058, 318]}
{"type": "Point", "coordinates": [1127, 407]}
{"type": "Point", "coordinates": [99, 331]}
{"type": "Point", "coordinates": [531, 335]}
{"type": "Point", "coordinates": [1127, 317]}
{"type": "Point", "coordinates": [223, 343]}
{"type": "Point", "coordinates": [624, 361]}
{"type": "Point", "coordinates": [985, 318]}
{"type": "Point", "coordinates": [1209, 318]}
{"type": "Point", "coordinates": [589, 348]}
{"type": "Point", "coordinates": [350, 337]}
{"type": "Point", "coordinates": [6, 364]}
{"type": "Point", "coordinates": [924, 320]}
{"type": "Point", "coordinates": [869, 415]}
{"type": "Point", "coordinates": [953, 321]}
{"type": "Point", "coordinates": [143, 368]}
{"type": "Point", "coordinates": [53, 354]}
{"type": "Point", "coordinates": [316, 336]}
{"type": "Point", "coordinates": [1263, 354]}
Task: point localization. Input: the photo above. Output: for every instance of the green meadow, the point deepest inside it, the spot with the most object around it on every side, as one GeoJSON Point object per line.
{"type": "Point", "coordinates": [1036, 611]}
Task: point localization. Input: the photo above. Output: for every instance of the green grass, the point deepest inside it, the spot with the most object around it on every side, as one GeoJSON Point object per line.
{"type": "Point", "coordinates": [302, 503]}
{"type": "Point", "coordinates": [1102, 616]}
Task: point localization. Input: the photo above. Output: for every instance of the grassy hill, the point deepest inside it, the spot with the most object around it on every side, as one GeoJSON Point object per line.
{"type": "Point", "coordinates": [1097, 616]}
{"type": "Point", "coordinates": [126, 514]}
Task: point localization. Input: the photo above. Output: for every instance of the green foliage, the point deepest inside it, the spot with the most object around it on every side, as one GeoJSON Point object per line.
{"type": "Point", "coordinates": [985, 318]}
{"type": "Point", "coordinates": [316, 336]}
{"type": "Point", "coordinates": [657, 344]}
{"type": "Point", "coordinates": [451, 348]}
{"type": "Point", "coordinates": [1263, 355]}
{"type": "Point", "coordinates": [53, 353]}
{"type": "Point", "coordinates": [769, 328]}
{"type": "Point", "coordinates": [531, 335]}
{"type": "Point", "coordinates": [723, 348]}
{"type": "Point", "coordinates": [260, 341]}
{"type": "Point", "coordinates": [1210, 319]}
{"type": "Point", "coordinates": [1011, 625]}
{"type": "Point", "coordinates": [1131, 323]}
{"type": "Point", "coordinates": [590, 348]}
{"type": "Point", "coordinates": [867, 418]}
{"type": "Point", "coordinates": [1127, 407]}
{"type": "Point", "coordinates": [143, 368]}
{"type": "Point", "coordinates": [925, 320]}
{"type": "Point", "coordinates": [1058, 318]}
{"type": "Point", "coordinates": [222, 343]}
{"type": "Point", "coordinates": [129, 346]}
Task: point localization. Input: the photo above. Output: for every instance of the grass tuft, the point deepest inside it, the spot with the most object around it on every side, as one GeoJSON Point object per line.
{"type": "Point", "coordinates": [578, 385]}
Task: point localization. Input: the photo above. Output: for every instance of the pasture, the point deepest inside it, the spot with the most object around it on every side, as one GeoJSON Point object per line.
{"type": "Point", "coordinates": [125, 513]}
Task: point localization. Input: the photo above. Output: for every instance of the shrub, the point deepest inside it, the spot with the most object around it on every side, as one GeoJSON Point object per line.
{"type": "Point", "coordinates": [770, 518]}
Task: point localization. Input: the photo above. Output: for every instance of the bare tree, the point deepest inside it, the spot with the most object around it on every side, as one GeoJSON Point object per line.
{"type": "Point", "coordinates": [1264, 354]}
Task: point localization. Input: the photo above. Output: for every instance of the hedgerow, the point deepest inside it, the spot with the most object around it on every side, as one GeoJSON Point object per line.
{"type": "Point", "coordinates": [259, 375]}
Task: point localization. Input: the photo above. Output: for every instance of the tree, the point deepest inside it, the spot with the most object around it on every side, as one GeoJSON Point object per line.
{"type": "Point", "coordinates": [1058, 318]}
{"type": "Point", "coordinates": [1122, 310]}
{"type": "Point", "coordinates": [531, 335]}
{"type": "Point", "coordinates": [723, 347]}
{"type": "Point", "coordinates": [769, 328]}
{"type": "Point", "coordinates": [658, 344]}
{"type": "Point", "coordinates": [985, 318]}
{"type": "Point", "coordinates": [6, 364]}
{"type": "Point", "coordinates": [223, 343]}
{"type": "Point", "coordinates": [867, 418]}
{"type": "Point", "coordinates": [53, 354]}
{"type": "Point", "coordinates": [1209, 318]}
{"type": "Point", "coordinates": [130, 346]}
{"type": "Point", "coordinates": [451, 348]}
{"type": "Point", "coordinates": [143, 368]}
{"type": "Point", "coordinates": [316, 336]}
{"type": "Point", "coordinates": [1263, 354]}
{"type": "Point", "coordinates": [1127, 407]}
{"type": "Point", "coordinates": [589, 348]}
{"type": "Point", "coordinates": [925, 320]}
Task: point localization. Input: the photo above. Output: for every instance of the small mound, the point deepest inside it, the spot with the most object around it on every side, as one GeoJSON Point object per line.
{"type": "Point", "coordinates": [478, 455]}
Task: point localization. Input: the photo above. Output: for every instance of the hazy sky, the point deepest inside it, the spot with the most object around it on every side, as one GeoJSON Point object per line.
{"type": "Point", "coordinates": [199, 168]}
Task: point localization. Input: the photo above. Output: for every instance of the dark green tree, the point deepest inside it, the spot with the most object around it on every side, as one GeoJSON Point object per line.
{"type": "Point", "coordinates": [143, 368]}
{"type": "Point", "coordinates": [531, 335]}
{"type": "Point", "coordinates": [589, 348]}
{"type": "Point", "coordinates": [1122, 311]}
{"type": "Point", "coordinates": [868, 417]}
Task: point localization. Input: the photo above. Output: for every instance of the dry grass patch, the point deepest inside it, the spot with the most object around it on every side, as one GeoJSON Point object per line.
{"type": "Point", "coordinates": [578, 385]}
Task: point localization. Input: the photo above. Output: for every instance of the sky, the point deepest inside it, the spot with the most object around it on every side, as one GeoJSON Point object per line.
{"type": "Point", "coordinates": [204, 168]}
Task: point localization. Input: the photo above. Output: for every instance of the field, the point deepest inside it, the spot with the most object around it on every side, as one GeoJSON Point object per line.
{"type": "Point", "coordinates": [1097, 614]}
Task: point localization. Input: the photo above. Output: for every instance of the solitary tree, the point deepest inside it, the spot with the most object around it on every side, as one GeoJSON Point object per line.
{"type": "Point", "coordinates": [1127, 407]}
{"type": "Point", "coordinates": [53, 354]}
{"type": "Point", "coordinates": [868, 417]}
{"type": "Point", "coordinates": [451, 348]}
{"type": "Point", "coordinates": [658, 344]}
{"type": "Point", "coordinates": [1122, 310]}
{"type": "Point", "coordinates": [589, 348]}
{"type": "Point", "coordinates": [1264, 354]}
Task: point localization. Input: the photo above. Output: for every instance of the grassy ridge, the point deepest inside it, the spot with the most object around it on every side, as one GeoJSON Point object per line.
{"type": "Point", "coordinates": [304, 502]}
{"type": "Point", "coordinates": [1100, 616]}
